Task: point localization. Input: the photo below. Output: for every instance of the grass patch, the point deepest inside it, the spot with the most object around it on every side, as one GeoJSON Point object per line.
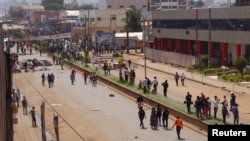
{"type": "Point", "coordinates": [181, 107]}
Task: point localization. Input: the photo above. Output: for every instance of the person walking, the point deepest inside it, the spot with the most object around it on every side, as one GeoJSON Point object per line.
{"type": "Point", "coordinates": [216, 102]}
{"type": "Point", "coordinates": [155, 85]}
{"type": "Point", "coordinates": [43, 79]}
{"type": "Point", "coordinates": [165, 115]}
{"type": "Point", "coordinates": [188, 102]}
{"type": "Point", "coordinates": [176, 77]}
{"type": "Point", "coordinates": [179, 125]}
{"type": "Point", "coordinates": [85, 77]}
{"type": "Point", "coordinates": [139, 101]}
{"type": "Point", "coordinates": [159, 113]}
{"type": "Point", "coordinates": [61, 63]}
{"type": "Point", "coordinates": [72, 78]}
{"type": "Point", "coordinates": [153, 119]}
{"type": "Point", "coordinates": [33, 116]}
{"type": "Point", "coordinates": [25, 106]}
{"type": "Point", "coordinates": [183, 77]}
{"type": "Point", "coordinates": [142, 116]}
{"type": "Point", "coordinates": [18, 96]}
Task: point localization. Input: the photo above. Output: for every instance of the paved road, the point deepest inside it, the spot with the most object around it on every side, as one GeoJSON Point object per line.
{"type": "Point", "coordinates": [86, 112]}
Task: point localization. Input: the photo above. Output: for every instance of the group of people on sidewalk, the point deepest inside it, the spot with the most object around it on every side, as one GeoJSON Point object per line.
{"type": "Point", "coordinates": [16, 98]}
{"type": "Point", "coordinates": [203, 106]}
{"type": "Point", "coordinates": [158, 117]}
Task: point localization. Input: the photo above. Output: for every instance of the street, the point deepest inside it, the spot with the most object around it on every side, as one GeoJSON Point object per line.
{"type": "Point", "coordinates": [85, 112]}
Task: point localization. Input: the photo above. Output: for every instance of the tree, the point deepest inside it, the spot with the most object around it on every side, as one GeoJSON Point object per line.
{"type": "Point", "coordinates": [195, 4]}
{"type": "Point", "coordinates": [240, 63]}
{"type": "Point", "coordinates": [86, 7]}
{"type": "Point", "coordinates": [134, 20]}
{"type": "Point", "coordinates": [86, 56]}
{"type": "Point", "coordinates": [53, 4]}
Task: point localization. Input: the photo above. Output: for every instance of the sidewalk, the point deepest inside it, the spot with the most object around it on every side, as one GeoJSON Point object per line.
{"type": "Point", "coordinates": [195, 83]}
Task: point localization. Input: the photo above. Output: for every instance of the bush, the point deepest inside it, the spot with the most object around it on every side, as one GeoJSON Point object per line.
{"type": "Point", "coordinates": [223, 76]}
{"type": "Point", "coordinates": [195, 66]}
{"type": "Point", "coordinates": [228, 72]}
{"type": "Point", "coordinates": [246, 77]}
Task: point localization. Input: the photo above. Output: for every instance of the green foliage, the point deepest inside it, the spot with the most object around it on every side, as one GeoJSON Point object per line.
{"type": "Point", "coordinates": [86, 7]}
{"type": "Point", "coordinates": [204, 59]}
{"type": "Point", "coordinates": [140, 85]}
{"type": "Point", "coordinates": [133, 20]}
{"type": "Point", "coordinates": [16, 33]}
{"type": "Point", "coordinates": [86, 56]}
{"type": "Point", "coordinates": [240, 63]}
{"type": "Point", "coordinates": [246, 77]}
{"type": "Point", "coordinates": [230, 72]}
{"type": "Point", "coordinates": [53, 6]}
{"type": "Point", "coordinates": [195, 66]}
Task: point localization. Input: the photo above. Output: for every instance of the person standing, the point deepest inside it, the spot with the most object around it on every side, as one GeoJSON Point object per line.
{"type": "Point", "coordinates": [49, 80]}
{"type": "Point", "coordinates": [176, 77]}
{"type": "Point", "coordinates": [139, 101]}
{"type": "Point", "coordinates": [165, 115]}
{"type": "Point", "coordinates": [216, 102]}
{"type": "Point", "coordinates": [188, 102]}
{"type": "Point", "coordinates": [179, 125]}
{"type": "Point", "coordinates": [145, 84]}
{"type": "Point", "coordinates": [25, 106]}
{"type": "Point", "coordinates": [33, 116]}
{"type": "Point", "coordinates": [232, 100]}
{"type": "Point", "coordinates": [43, 79]}
{"type": "Point", "coordinates": [155, 85]}
{"type": "Point", "coordinates": [129, 63]}
{"type": "Point", "coordinates": [142, 116]}
{"type": "Point", "coordinates": [224, 112]}
{"type": "Point", "coordinates": [183, 79]}
{"type": "Point", "coordinates": [165, 87]}
{"type": "Point", "coordinates": [235, 112]}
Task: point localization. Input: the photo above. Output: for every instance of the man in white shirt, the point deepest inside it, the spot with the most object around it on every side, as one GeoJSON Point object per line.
{"type": "Point", "coordinates": [145, 84]}
{"type": "Point", "coordinates": [155, 84]}
{"type": "Point", "coordinates": [216, 102]}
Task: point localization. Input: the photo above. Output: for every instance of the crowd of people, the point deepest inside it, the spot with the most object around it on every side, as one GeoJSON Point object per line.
{"type": "Point", "coordinates": [204, 105]}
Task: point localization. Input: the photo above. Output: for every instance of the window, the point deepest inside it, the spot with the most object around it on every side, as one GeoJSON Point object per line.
{"type": "Point", "coordinates": [109, 6]}
{"type": "Point", "coordinates": [121, 6]}
{"type": "Point", "coordinates": [144, 6]}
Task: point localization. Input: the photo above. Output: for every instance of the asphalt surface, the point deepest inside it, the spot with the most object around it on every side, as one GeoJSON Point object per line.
{"type": "Point", "coordinates": [85, 112]}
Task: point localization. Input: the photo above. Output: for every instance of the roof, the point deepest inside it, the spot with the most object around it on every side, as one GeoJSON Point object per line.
{"type": "Point", "coordinates": [137, 35]}
{"type": "Point", "coordinates": [33, 7]}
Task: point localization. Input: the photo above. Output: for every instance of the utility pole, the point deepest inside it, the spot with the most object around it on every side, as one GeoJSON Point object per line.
{"type": "Point", "coordinates": [56, 127]}
{"type": "Point", "coordinates": [43, 121]}
{"type": "Point", "coordinates": [127, 16]}
{"type": "Point", "coordinates": [209, 38]}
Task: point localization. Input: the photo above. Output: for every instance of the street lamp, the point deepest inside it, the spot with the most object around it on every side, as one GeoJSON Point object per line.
{"type": "Point", "coordinates": [127, 30]}
{"type": "Point", "coordinates": [144, 47]}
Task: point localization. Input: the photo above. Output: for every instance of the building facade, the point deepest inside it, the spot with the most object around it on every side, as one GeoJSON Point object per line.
{"type": "Point", "coordinates": [242, 2]}
{"type": "Point", "coordinates": [123, 4]}
{"type": "Point", "coordinates": [188, 33]}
